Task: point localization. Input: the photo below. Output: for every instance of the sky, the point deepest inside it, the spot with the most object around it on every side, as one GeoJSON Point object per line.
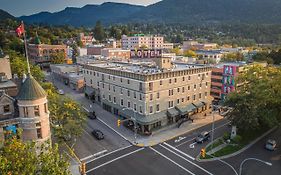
{"type": "Point", "coordinates": [27, 7]}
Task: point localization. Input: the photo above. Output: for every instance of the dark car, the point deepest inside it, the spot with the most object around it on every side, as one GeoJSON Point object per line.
{"type": "Point", "coordinates": [92, 115]}
{"type": "Point", "coordinates": [98, 134]}
{"type": "Point", "coordinates": [202, 137]}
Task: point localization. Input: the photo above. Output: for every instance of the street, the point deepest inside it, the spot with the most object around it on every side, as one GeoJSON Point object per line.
{"type": "Point", "coordinates": [116, 155]}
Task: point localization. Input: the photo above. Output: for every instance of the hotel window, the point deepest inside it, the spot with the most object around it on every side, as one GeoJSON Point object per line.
{"type": "Point", "coordinates": [113, 78]}
{"type": "Point", "coordinates": [150, 109]}
{"type": "Point", "coordinates": [178, 89]}
{"type": "Point", "coordinates": [114, 99]}
{"type": "Point", "coordinates": [140, 97]}
{"type": "Point", "coordinates": [113, 88]}
{"type": "Point", "coordinates": [36, 111]}
{"type": "Point", "coordinates": [135, 106]}
{"type": "Point", "coordinates": [109, 97]}
{"type": "Point", "coordinates": [200, 96]}
{"type": "Point", "coordinates": [94, 73]}
{"type": "Point", "coordinates": [109, 87]}
{"type": "Point", "coordinates": [128, 93]}
{"type": "Point", "coordinates": [140, 109]}
{"type": "Point", "coordinates": [194, 97]}
{"type": "Point", "coordinates": [102, 76]}
{"type": "Point", "coordinates": [161, 82]}
{"type": "Point", "coordinates": [151, 97]}
{"type": "Point", "coordinates": [121, 80]}
{"type": "Point", "coordinates": [129, 104]}
{"type": "Point", "coordinates": [206, 94]}
{"type": "Point", "coordinates": [178, 101]}
{"type": "Point", "coordinates": [182, 89]}
{"type": "Point", "coordinates": [182, 100]}
{"type": "Point", "coordinates": [91, 81]}
{"type": "Point", "coordinates": [171, 104]}
{"type": "Point", "coordinates": [121, 102]}
{"type": "Point", "coordinates": [189, 78]}
{"type": "Point", "coordinates": [6, 108]}
{"type": "Point", "coordinates": [175, 80]}
{"type": "Point", "coordinates": [183, 78]}
{"type": "Point", "coordinates": [206, 84]}
{"type": "Point", "coordinates": [98, 74]}
{"type": "Point", "coordinates": [157, 107]}
{"type": "Point", "coordinates": [170, 81]}
{"type": "Point", "coordinates": [109, 77]}
{"type": "Point", "coordinates": [200, 85]}
{"type": "Point", "coordinates": [39, 133]}
{"type": "Point", "coordinates": [46, 108]}
{"type": "Point", "coordinates": [121, 91]}
{"type": "Point", "coordinates": [195, 87]}
{"type": "Point", "coordinates": [102, 85]}
{"type": "Point", "coordinates": [90, 72]}
{"type": "Point", "coordinates": [188, 88]}
{"type": "Point", "coordinates": [140, 86]}
{"type": "Point", "coordinates": [150, 86]}
{"type": "Point", "coordinates": [135, 95]}
{"type": "Point", "coordinates": [25, 111]}
{"type": "Point", "coordinates": [158, 95]}
{"type": "Point", "coordinates": [188, 98]}
{"type": "Point", "coordinates": [128, 81]}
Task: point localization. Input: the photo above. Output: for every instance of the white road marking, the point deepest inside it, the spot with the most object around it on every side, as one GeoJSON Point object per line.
{"type": "Point", "coordinates": [87, 133]}
{"type": "Point", "coordinates": [172, 161]}
{"type": "Point", "coordinates": [94, 155]}
{"type": "Point", "coordinates": [109, 153]}
{"type": "Point", "coordinates": [195, 137]}
{"type": "Point", "coordinates": [125, 155]}
{"type": "Point", "coordinates": [108, 125]}
{"type": "Point", "coordinates": [186, 160]}
{"type": "Point", "coordinates": [170, 146]}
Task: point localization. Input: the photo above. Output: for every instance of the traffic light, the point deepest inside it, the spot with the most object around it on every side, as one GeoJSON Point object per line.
{"type": "Point", "coordinates": [203, 152]}
{"type": "Point", "coordinates": [118, 122]}
{"type": "Point", "coordinates": [83, 168]}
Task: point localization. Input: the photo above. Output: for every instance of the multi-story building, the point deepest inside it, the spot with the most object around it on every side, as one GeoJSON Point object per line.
{"type": "Point", "coordinates": [86, 39]}
{"type": "Point", "coordinates": [213, 56]}
{"type": "Point", "coordinates": [216, 82]}
{"type": "Point", "coordinates": [141, 41]}
{"type": "Point", "coordinates": [42, 53]}
{"type": "Point", "coordinates": [156, 94]}
{"type": "Point", "coordinates": [194, 45]}
{"type": "Point", "coordinates": [115, 53]}
{"type": "Point", "coordinates": [28, 111]}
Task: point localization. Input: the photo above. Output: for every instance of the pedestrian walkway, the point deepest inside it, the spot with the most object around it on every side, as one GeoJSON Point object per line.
{"type": "Point", "coordinates": [110, 120]}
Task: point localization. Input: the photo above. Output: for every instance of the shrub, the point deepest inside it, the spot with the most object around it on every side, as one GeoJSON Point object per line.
{"type": "Point", "coordinates": [226, 135]}
{"type": "Point", "coordinates": [237, 139]}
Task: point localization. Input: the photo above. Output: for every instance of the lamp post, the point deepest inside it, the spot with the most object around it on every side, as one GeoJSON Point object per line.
{"type": "Point", "coordinates": [241, 165]}
{"type": "Point", "coordinates": [135, 123]}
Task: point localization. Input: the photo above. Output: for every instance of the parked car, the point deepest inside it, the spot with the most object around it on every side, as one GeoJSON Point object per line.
{"type": "Point", "coordinates": [98, 134]}
{"type": "Point", "coordinates": [270, 145]}
{"type": "Point", "coordinates": [92, 115]}
{"type": "Point", "coordinates": [202, 137]}
{"type": "Point", "coordinates": [61, 92]}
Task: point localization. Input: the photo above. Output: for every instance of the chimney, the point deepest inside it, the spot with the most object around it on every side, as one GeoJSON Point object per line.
{"type": "Point", "coordinates": [163, 63]}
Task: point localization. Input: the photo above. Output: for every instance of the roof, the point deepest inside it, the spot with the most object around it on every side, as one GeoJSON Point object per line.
{"type": "Point", "coordinates": [30, 90]}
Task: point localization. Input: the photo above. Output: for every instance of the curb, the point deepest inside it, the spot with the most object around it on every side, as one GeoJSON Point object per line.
{"type": "Point", "coordinates": [239, 151]}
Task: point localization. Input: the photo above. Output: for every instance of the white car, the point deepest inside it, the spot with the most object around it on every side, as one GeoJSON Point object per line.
{"type": "Point", "coordinates": [61, 92]}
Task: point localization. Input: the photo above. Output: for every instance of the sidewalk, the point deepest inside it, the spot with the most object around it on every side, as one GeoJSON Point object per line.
{"type": "Point", "coordinates": [166, 134]}
{"type": "Point", "coordinates": [110, 121]}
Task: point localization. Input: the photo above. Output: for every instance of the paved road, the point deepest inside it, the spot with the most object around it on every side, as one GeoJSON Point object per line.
{"type": "Point", "coordinates": [87, 146]}
{"type": "Point", "coordinates": [178, 159]}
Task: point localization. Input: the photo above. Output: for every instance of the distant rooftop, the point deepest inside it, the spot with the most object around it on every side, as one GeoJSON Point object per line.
{"type": "Point", "coordinates": [240, 63]}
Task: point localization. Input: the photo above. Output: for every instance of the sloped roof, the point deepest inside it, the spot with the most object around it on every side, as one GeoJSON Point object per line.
{"type": "Point", "coordinates": [31, 90]}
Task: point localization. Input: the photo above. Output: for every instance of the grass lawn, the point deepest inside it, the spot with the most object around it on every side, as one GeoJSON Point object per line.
{"type": "Point", "coordinates": [215, 144]}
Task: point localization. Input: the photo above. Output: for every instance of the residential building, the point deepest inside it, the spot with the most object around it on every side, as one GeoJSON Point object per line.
{"type": "Point", "coordinates": [94, 49]}
{"type": "Point", "coordinates": [137, 41]}
{"type": "Point", "coordinates": [86, 39]}
{"type": "Point", "coordinates": [213, 56]}
{"type": "Point", "coordinates": [168, 46]}
{"type": "Point", "coordinates": [156, 93]}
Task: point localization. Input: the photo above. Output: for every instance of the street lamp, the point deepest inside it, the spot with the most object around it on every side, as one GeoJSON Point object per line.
{"type": "Point", "coordinates": [241, 165]}
{"type": "Point", "coordinates": [135, 123]}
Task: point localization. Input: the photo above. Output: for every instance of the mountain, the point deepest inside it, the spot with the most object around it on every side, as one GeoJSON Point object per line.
{"type": "Point", "coordinates": [167, 11]}
{"type": "Point", "coordinates": [5, 15]}
{"type": "Point", "coordinates": [87, 15]}
{"type": "Point", "coordinates": [213, 11]}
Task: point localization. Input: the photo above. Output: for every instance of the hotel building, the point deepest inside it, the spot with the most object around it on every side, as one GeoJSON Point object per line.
{"type": "Point", "coordinates": [140, 40]}
{"type": "Point", "coordinates": [156, 93]}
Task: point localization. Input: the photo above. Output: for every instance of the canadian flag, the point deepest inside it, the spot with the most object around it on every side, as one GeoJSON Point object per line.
{"type": "Point", "coordinates": [20, 30]}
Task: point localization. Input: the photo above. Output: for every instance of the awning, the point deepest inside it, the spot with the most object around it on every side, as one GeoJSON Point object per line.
{"type": "Point", "coordinates": [199, 104]}
{"type": "Point", "coordinates": [172, 112]}
{"type": "Point", "coordinates": [186, 109]}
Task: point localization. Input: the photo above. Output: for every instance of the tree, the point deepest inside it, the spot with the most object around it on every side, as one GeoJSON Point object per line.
{"type": "Point", "coordinates": [189, 53]}
{"type": "Point", "coordinates": [58, 58]}
{"type": "Point", "coordinates": [176, 50]}
{"type": "Point", "coordinates": [257, 102]}
{"type": "Point", "coordinates": [18, 157]}
{"type": "Point", "coordinates": [67, 116]}
{"type": "Point", "coordinates": [233, 57]}
{"type": "Point", "coordinates": [99, 32]}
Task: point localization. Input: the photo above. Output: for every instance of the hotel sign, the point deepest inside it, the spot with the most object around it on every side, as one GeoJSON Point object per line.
{"type": "Point", "coordinates": [146, 53]}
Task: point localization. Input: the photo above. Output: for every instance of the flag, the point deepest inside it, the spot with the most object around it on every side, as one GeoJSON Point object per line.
{"type": "Point", "coordinates": [20, 30]}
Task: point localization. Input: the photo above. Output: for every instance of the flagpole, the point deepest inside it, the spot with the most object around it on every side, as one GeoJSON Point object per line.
{"type": "Point", "coordinates": [25, 45]}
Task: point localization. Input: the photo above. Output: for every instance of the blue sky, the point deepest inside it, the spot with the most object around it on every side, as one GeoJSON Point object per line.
{"type": "Point", "coordinates": [28, 7]}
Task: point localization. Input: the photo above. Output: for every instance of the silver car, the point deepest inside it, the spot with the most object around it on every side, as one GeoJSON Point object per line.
{"type": "Point", "coordinates": [270, 145]}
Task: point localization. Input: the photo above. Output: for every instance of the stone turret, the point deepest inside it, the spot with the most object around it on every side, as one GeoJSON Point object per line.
{"type": "Point", "coordinates": [33, 111]}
